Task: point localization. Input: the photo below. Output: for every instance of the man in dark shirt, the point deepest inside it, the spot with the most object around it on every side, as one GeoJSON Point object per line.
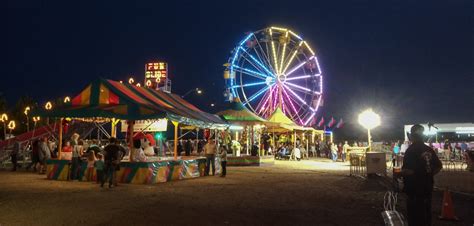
{"type": "Point", "coordinates": [420, 164]}
{"type": "Point", "coordinates": [112, 160]}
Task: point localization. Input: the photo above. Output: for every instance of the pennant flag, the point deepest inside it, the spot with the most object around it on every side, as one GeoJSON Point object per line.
{"type": "Point", "coordinates": [321, 122]}
{"type": "Point", "coordinates": [340, 124]}
{"type": "Point", "coordinates": [331, 122]}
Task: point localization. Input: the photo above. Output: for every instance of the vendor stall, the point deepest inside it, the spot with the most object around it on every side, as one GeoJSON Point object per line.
{"type": "Point", "coordinates": [108, 100]}
{"type": "Point", "coordinates": [135, 172]}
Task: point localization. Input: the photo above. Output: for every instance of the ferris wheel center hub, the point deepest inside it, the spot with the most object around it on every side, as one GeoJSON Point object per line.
{"type": "Point", "coordinates": [281, 78]}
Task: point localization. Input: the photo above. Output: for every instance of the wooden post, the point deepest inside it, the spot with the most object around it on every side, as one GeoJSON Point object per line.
{"type": "Point", "coordinates": [60, 141]}
{"type": "Point", "coordinates": [175, 148]}
{"type": "Point", "coordinates": [131, 124]}
{"type": "Point", "coordinates": [113, 130]}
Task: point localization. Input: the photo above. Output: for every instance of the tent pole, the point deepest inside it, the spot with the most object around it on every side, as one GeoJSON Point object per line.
{"type": "Point", "coordinates": [130, 137]}
{"type": "Point", "coordinates": [175, 148]}
{"type": "Point", "coordinates": [60, 142]}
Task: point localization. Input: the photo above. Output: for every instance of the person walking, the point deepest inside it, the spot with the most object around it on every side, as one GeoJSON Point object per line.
{"type": "Point", "coordinates": [210, 152]}
{"type": "Point", "coordinates": [34, 155]}
{"type": "Point", "coordinates": [111, 160]}
{"type": "Point", "coordinates": [188, 147]}
{"type": "Point", "coordinates": [44, 154]}
{"type": "Point", "coordinates": [223, 156]}
{"type": "Point", "coordinates": [99, 168]}
{"type": "Point", "coordinates": [333, 148]}
{"type": "Point", "coordinates": [14, 155]}
{"type": "Point", "coordinates": [76, 159]}
{"type": "Point", "coordinates": [420, 164]}
{"type": "Point", "coordinates": [345, 147]}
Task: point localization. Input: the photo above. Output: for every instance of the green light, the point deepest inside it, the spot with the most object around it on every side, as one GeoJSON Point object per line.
{"type": "Point", "coordinates": [158, 136]}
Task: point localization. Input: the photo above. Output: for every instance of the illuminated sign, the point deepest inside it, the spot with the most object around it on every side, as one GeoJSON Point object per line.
{"type": "Point", "coordinates": [155, 74]}
{"type": "Point", "coordinates": [159, 125]}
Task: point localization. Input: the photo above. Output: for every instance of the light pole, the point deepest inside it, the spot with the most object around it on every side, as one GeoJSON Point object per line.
{"type": "Point", "coordinates": [11, 126]}
{"type": "Point", "coordinates": [197, 90]}
{"type": "Point", "coordinates": [369, 120]}
{"type": "Point", "coordinates": [27, 109]}
{"type": "Point", "coordinates": [4, 119]}
{"type": "Point", "coordinates": [35, 120]}
{"type": "Point", "coordinates": [67, 100]}
{"type": "Point", "coordinates": [48, 106]}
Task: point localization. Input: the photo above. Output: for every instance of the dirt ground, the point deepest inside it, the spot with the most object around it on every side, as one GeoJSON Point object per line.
{"type": "Point", "coordinates": [310, 192]}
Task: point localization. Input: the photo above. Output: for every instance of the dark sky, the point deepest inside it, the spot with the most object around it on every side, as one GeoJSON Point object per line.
{"type": "Point", "coordinates": [412, 61]}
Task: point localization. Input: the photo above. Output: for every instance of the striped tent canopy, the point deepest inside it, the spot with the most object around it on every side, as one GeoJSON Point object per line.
{"type": "Point", "coordinates": [111, 99]}
{"type": "Point", "coordinates": [278, 121]}
{"type": "Point", "coordinates": [238, 113]}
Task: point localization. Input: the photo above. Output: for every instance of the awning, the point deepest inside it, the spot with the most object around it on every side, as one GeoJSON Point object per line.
{"type": "Point", "coordinates": [239, 114]}
{"type": "Point", "coordinates": [112, 99]}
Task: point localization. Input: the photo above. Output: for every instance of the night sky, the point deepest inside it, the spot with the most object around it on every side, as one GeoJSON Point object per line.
{"type": "Point", "coordinates": [412, 61]}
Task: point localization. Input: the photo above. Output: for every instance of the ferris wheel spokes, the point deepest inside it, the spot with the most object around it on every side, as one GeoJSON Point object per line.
{"type": "Point", "coordinates": [255, 95]}
{"type": "Point", "coordinates": [250, 72]}
{"type": "Point", "coordinates": [267, 58]}
{"type": "Point", "coordinates": [257, 62]}
{"type": "Point", "coordinates": [292, 106]}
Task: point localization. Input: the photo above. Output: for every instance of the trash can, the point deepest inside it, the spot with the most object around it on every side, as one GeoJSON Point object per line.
{"type": "Point", "coordinates": [376, 163]}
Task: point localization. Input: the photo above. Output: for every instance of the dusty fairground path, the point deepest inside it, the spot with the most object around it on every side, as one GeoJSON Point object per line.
{"type": "Point", "coordinates": [290, 193]}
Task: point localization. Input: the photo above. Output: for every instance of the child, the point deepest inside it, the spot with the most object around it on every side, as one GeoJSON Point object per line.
{"type": "Point", "coordinates": [223, 156]}
{"type": "Point", "coordinates": [90, 165]}
{"type": "Point", "coordinates": [99, 168]}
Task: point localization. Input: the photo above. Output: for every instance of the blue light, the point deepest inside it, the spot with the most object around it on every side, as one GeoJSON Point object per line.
{"type": "Point", "coordinates": [258, 62]}
{"type": "Point", "coordinates": [250, 84]}
{"type": "Point", "coordinates": [233, 60]}
{"type": "Point", "coordinates": [246, 39]}
{"type": "Point", "coordinates": [257, 94]}
{"type": "Point", "coordinates": [250, 71]}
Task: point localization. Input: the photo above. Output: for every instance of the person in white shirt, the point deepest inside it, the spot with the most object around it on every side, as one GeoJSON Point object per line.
{"type": "Point", "coordinates": [344, 150]}
{"type": "Point", "coordinates": [223, 156]}
{"type": "Point", "coordinates": [297, 153]}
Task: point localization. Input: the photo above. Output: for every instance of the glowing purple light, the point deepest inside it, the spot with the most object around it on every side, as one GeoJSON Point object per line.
{"type": "Point", "coordinates": [297, 77]}
{"type": "Point", "coordinates": [296, 95]}
{"type": "Point", "coordinates": [299, 65]}
{"type": "Point", "coordinates": [317, 63]}
{"type": "Point", "coordinates": [267, 98]}
{"type": "Point", "coordinates": [292, 106]}
{"type": "Point", "coordinates": [297, 86]}
{"type": "Point", "coordinates": [310, 117]}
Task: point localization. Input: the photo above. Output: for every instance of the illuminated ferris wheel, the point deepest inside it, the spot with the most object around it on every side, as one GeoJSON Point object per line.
{"type": "Point", "coordinates": [275, 68]}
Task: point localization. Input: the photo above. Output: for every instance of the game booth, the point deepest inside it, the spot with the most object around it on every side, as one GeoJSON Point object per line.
{"type": "Point", "coordinates": [247, 128]}
{"type": "Point", "coordinates": [108, 101]}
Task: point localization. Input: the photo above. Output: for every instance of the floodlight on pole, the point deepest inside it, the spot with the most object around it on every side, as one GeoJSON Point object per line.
{"type": "Point", "coordinates": [369, 120]}
{"type": "Point", "coordinates": [27, 109]}
{"type": "Point", "coordinates": [67, 99]}
{"type": "Point", "coordinates": [4, 119]}
{"type": "Point", "coordinates": [197, 90]}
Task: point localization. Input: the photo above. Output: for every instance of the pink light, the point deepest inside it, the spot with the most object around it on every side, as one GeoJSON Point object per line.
{"type": "Point", "coordinates": [296, 95]}
{"type": "Point", "coordinates": [291, 103]}
{"type": "Point", "coordinates": [276, 96]}
{"type": "Point", "coordinates": [268, 97]}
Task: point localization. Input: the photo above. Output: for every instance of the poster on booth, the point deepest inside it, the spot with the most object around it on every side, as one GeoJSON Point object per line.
{"type": "Point", "coordinates": [159, 125]}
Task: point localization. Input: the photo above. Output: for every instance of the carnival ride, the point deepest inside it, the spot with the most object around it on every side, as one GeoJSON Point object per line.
{"type": "Point", "coordinates": [275, 68]}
